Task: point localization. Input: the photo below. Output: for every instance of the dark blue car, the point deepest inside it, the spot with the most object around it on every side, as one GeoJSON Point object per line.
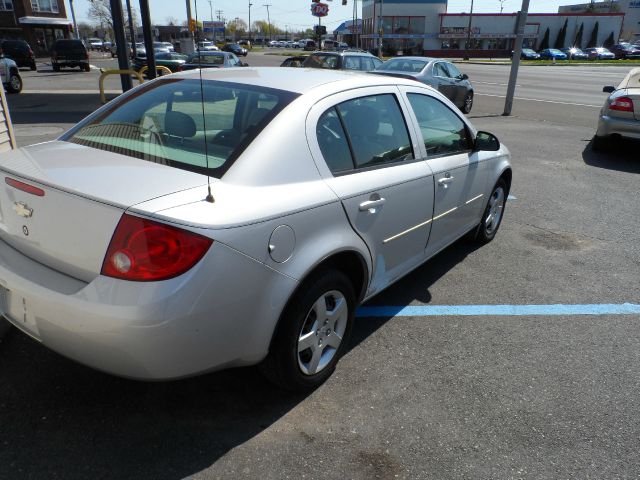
{"type": "Point", "coordinates": [528, 54]}
{"type": "Point", "coordinates": [552, 54]}
{"type": "Point", "coordinates": [575, 53]}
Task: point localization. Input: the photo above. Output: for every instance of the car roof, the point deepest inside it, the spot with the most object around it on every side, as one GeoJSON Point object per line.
{"type": "Point", "coordinates": [632, 80]}
{"type": "Point", "coordinates": [298, 80]}
{"type": "Point", "coordinates": [345, 52]}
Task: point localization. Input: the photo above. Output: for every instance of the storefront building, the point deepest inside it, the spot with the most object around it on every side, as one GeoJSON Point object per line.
{"type": "Point", "coordinates": [630, 8]}
{"type": "Point", "coordinates": [423, 27]}
{"type": "Point", "coordinates": [39, 22]}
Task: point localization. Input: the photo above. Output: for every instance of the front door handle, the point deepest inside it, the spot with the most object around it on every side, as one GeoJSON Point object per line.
{"type": "Point", "coordinates": [370, 205]}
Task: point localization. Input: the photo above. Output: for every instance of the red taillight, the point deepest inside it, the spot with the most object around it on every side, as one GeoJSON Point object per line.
{"type": "Point", "coordinates": [622, 104]}
{"type": "Point", "coordinates": [143, 250]}
{"type": "Point", "coordinates": [25, 187]}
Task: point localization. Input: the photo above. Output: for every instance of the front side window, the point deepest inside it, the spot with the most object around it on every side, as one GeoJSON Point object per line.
{"type": "Point", "coordinates": [443, 132]}
{"type": "Point", "coordinates": [376, 130]}
{"type": "Point", "coordinates": [440, 70]}
{"type": "Point", "coordinates": [163, 122]}
{"type": "Point", "coordinates": [322, 61]}
{"type": "Point", "coordinates": [403, 65]}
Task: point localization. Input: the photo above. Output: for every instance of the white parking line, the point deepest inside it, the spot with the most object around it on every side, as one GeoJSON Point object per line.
{"type": "Point", "coordinates": [499, 84]}
{"type": "Point", "coordinates": [543, 101]}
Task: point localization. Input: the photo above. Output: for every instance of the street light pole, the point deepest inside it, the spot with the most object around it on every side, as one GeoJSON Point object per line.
{"type": "Point", "coordinates": [250, 22]}
{"type": "Point", "coordinates": [517, 51]}
{"type": "Point", "coordinates": [213, 30]}
{"type": "Point", "coordinates": [380, 29]}
{"type": "Point", "coordinates": [132, 33]}
{"type": "Point", "coordinates": [75, 25]}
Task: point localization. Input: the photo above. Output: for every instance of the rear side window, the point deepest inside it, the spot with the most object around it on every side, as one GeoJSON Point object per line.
{"type": "Point", "coordinates": [163, 122]}
{"type": "Point", "coordinates": [351, 63]}
{"type": "Point", "coordinates": [443, 132]}
{"type": "Point", "coordinates": [371, 129]}
{"type": "Point", "coordinates": [322, 61]}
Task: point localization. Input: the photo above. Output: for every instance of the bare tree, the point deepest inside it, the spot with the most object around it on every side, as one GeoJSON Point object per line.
{"type": "Point", "coordinates": [100, 12]}
{"type": "Point", "coordinates": [172, 21]}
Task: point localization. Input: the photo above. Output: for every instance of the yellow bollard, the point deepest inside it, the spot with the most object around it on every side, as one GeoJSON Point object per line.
{"type": "Point", "coordinates": [106, 73]}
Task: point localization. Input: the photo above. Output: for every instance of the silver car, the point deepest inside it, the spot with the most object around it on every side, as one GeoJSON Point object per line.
{"type": "Point", "coordinates": [162, 237]}
{"type": "Point", "coordinates": [620, 115]}
{"type": "Point", "coordinates": [435, 72]}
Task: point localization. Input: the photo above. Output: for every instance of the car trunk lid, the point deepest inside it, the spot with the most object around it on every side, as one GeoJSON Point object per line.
{"type": "Point", "coordinates": [60, 202]}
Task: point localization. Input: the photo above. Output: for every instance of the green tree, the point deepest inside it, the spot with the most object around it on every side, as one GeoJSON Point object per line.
{"type": "Point", "coordinates": [545, 40]}
{"type": "Point", "coordinates": [593, 41]}
{"type": "Point", "coordinates": [609, 41]}
{"type": "Point", "coordinates": [577, 42]}
{"type": "Point", "coordinates": [562, 34]}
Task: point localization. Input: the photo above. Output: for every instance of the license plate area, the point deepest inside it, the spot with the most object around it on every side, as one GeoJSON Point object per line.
{"type": "Point", "coordinates": [14, 307]}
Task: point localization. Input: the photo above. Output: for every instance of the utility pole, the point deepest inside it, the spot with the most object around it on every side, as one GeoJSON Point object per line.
{"type": "Point", "coordinates": [188, 48]}
{"type": "Point", "coordinates": [213, 30]}
{"type": "Point", "coordinates": [381, 29]}
{"type": "Point", "coordinates": [118, 31]}
{"type": "Point", "coordinates": [250, 22]}
{"type": "Point", "coordinates": [73, 15]}
{"type": "Point", "coordinates": [466, 57]}
{"type": "Point", "coordinates": [501, 4]}
{"type": "Point", "coordinates": [268, 19]}
{"type": "Point", "coordinates": [148, 38]}
{"type": "Point", "coordinates": [517, 51]}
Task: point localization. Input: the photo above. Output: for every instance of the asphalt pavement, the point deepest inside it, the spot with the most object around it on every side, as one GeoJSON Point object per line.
{"type": "Point", "coordinates": [424, 396]}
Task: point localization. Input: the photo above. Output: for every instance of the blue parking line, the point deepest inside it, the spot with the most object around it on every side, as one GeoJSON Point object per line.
{"type": "Point", "coordinates": [499, 310]}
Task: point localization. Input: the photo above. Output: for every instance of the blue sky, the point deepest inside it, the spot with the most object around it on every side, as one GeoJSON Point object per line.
{"type": "Point", "coordinates": [296, 14]}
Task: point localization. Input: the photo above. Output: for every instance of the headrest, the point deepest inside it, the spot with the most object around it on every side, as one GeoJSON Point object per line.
{"type": "Point", "coordinates": [179, 124]}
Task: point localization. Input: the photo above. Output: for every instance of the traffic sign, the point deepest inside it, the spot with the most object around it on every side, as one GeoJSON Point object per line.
{"type": "Point", "coordinates": [319, 9]}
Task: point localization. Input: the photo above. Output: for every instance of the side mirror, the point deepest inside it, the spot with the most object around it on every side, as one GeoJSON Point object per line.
{"type": "Point", "coordinates": [464, 76]}
{"type": "Point", "coordinates": [487, 142]}
{"type": "Point", "coordinates": [608, 89]}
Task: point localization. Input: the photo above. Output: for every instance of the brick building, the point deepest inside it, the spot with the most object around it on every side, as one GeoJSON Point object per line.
{"type": "Point", "coordinates": [39, 22]}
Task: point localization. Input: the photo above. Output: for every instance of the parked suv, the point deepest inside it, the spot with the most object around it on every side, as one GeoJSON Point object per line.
{"type": "Point", "coordinates": [69, 53]}
{"type": "Point", "coordinates": [625, 51]}
{"type": "Point", "coordinates": [10, 76]}
{"type": "Point", "coordinates": [345, 60]}
{"type": "Point", "coordinates": [20, 52]}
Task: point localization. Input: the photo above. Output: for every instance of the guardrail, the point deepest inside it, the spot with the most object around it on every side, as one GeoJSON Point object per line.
{"type": "Point", "coordinates": [162, 68]}
{"type": "Point", "coordinates": [105, 73]}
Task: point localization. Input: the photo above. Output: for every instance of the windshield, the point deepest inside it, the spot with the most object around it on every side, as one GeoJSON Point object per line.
{"type": "Point", "coordinates": [403, 65]}
{"type": "Point", "coordinates": [209, 59]}
{"type": "Point", "coordinates": [165, 122]}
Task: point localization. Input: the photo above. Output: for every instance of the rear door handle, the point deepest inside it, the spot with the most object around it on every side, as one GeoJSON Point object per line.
{"type": "Point", "coordinates": [444, 182]}
{"type": "Point", "coordinates": [370, 205]}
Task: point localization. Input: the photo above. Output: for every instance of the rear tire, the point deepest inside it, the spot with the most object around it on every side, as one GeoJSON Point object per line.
{"type": "Point", "coordinates": [493, 214]}
{"type": "Point", "coordinates": [56, 68]}
{"type": "Point", "coordinates": [86, 68]}
{"type": "Point", "coordinates": [599, 144]}
{"type": "Point", "coordinates": [313, 332]}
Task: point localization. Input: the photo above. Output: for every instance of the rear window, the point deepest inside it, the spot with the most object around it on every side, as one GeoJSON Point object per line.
{"type": "Point", "coordinates": [215, 59]}
{"type": "Point", "coordinates": [69, 45]}
{"type": "Point", "coordinates": [166, 122]}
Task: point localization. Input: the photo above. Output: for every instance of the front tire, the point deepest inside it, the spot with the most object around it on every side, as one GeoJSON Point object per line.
{"type": "Point", "coordinates": [86, 68]}
{"type": "Point", "coordinates": [493, 213]}
{"type": "Point", "coordinates": [313, 332]}
{"type": "Point", "coordinates": [467, 105]}
{"type": "Point", "coordinates": [15, 83]}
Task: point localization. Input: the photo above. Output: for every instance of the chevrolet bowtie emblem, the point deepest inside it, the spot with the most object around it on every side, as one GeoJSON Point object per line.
{"type": "Point", "coordinates": [22, 209]}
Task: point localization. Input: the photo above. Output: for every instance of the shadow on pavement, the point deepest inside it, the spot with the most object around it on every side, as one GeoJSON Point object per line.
{"type": "Point", "coordinates": [621, 155]}
{"type": "Point", "coordinates": [60, 419]}
{"type": "Point", "coordinates": [51, 108]}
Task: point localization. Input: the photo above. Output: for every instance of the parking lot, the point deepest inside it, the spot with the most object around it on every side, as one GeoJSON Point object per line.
{"type": "Point", "coordinates": [444, 393]}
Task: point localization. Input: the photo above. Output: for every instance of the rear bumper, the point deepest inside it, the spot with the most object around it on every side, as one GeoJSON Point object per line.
{"type": "Point", "coordinates": [221, 313]}
{"type": "Point", "coordinates": [608, 126]}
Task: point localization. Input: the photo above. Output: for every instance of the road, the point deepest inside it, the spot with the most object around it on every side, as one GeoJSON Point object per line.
{"type": "Point", "coordinates": [423, 396]}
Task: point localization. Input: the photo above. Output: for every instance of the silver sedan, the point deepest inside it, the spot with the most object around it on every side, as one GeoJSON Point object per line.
{"type": "Point", "coordinates": [437, 73]}
{"type": "Point", "coordinates": [620, 115]}
{"type": "Point", "coordinates": [163, 237]}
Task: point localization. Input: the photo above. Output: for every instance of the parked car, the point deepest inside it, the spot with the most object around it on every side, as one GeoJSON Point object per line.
{"type": "Point", "coordinates": [342, 46]}
{"type": "Point", "coordinates": [345, 60]}
{"type": "Point", "coordinates": [437, 73]}
{"type": "Point", "coordinates": [208, 46]}
{"type": "Point", "coordinates": [138, 50]}
{"type": "Point", "coordinates": [273, 43]}
{"type": "Point", "coordinates": [625, 51]}
{"type": "Point", "coordinates": [20, 52]}
{"type": "Point", "coordinates": [173, 61]}
{"type": "Point", "coordinates": [236, 49]}
{"type": "Point", "coordinates": [106, 46]}
{"type": "Point", "coordinates": [295, 61]}
{"type": "Point", "coordinates": [574, 53]}
{"type": "Point", "coordinates": [10, 75]}
{"type": "Point", "coordinates": [366, 177]}
{"type": "Point", "coordinates": [620, 116]}
{"type": "Point", "coordinates": [162, 47]}
{"type": "Point", "coordinates": [308, 45]}
{"type": "Point", "coordinates": [528, 54]}
{"type": "Point", "coordinates": [95, 44]}
{"type": "Point", "coordinates": [211, 59]}
{"type": "Point", "coordinates": [599, 53]}
{"type": "Point", "coordinates": [69, 53]}
{"type": "Point", "coordinates": [552, 54]}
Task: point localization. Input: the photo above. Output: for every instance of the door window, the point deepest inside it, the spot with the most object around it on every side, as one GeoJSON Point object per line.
{"type": "Point", "coordinates": [351, 63]}
{"type": "Point", "coordinates": [333, 142]}
{"type": "Point", "coordinates": [453, 71]}
{"type": "Point", "coordinates": [440, 70]}
{"type": "Point", "coordinates": [443, 132]}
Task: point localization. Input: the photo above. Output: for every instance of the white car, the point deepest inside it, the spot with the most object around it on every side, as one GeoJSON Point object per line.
{"type": "Point", "coordinates": [208, 46]}
{"type": "Point", "coordinates": [153, 243]}
{"type": "Point", "coordinates": [10, 75]}
{"type": "Point", "coordinates": [95, 44]}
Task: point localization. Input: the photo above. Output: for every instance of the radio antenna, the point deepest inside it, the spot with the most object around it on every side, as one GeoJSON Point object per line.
{"type": "Point", "coordinates": [209, 198]}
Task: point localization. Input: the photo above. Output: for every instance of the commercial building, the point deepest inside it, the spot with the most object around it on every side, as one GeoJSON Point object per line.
{"type": "Point", "coordinates": [630, 8]}
{"type": "Point", "coordinates": [39, 22]}
{"type": "Point", "coordinates": [423, 27]}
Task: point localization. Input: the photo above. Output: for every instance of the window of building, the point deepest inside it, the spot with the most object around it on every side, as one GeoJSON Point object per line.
{"type": "Point", "coordinates": [387, 24]}
{"type": "Point", "coordinates": [416, 25]}
{"type": "Point", "coordinates": [401, 25]}
{"type": "Point", "coordinates": [6, 5]}
{"type": "Point", "coordinates": [45, 6]}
